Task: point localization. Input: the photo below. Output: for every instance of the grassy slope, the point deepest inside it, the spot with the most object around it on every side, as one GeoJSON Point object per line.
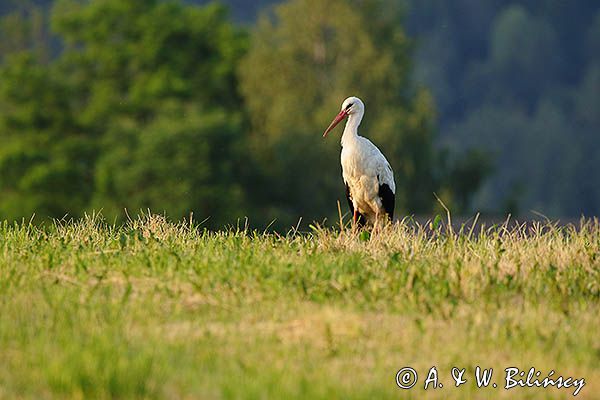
{"type": "Point", "coordinates": [158, 310]}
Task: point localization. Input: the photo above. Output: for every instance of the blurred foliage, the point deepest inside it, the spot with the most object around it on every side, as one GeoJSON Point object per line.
{"type": "Point", "coordinates": [158, 83]}
{"type": "Point", "coordinates": [520, 81]}
{"type": "Point", "coordinates": [139, 110]}
{"type": "Point", "coordinates": [23, 25]}
{"type": "Point", "coordinates": [46, 157]}
{"type": "Point", "coordinates": [141, 104]}
{"type": "Point", "coordinates": [515, 86]}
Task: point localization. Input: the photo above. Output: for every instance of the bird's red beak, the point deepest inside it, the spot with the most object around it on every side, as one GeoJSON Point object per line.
{"type": "Point", "coordinates": [335, 121]}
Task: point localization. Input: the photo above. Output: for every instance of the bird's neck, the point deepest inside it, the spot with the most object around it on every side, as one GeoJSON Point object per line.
{"type": "Point", "coordinates": [351, 130]}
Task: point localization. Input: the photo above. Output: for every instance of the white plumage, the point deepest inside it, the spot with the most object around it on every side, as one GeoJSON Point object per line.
{"type": "Point", "coordinates": [369, 179]}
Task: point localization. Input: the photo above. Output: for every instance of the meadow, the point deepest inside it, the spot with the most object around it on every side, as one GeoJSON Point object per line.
{"type": "Point", "coordinates": [154, 309]}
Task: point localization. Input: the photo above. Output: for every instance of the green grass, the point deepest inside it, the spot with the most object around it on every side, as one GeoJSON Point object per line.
{"type": "Point", "coordinates": [160, 310]}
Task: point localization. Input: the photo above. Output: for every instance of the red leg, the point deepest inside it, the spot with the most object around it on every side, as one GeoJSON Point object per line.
{"type": "Point", "coordinates": [355, 217]}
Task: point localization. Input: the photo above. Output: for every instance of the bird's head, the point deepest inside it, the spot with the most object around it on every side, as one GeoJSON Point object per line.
{"type": "Point", "coordinates": [352, 105]}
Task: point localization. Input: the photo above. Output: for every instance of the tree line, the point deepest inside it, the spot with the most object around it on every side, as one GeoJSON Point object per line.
{"type": "Point", "coordinates": [518, 80]}
{"type": "Point", "coordinates": [120, 105]}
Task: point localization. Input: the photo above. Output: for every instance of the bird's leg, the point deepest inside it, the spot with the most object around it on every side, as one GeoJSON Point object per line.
{"type": "Point", "coordinates": [354, 219]}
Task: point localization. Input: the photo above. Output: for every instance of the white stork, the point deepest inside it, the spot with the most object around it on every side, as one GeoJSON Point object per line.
{"type": "Point", "coordinates": [369, 179]}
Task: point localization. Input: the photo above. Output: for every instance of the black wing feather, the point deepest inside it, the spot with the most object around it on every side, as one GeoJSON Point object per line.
{"type": "Point", "coordinates": [388, 199]}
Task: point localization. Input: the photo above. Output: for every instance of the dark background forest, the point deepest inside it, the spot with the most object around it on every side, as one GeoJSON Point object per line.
{"type": "Point", "coordinates": [218, 109]}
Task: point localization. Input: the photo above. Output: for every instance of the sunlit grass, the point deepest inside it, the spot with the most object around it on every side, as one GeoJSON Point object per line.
{"type": "Point", "coordinates": [160, 310]}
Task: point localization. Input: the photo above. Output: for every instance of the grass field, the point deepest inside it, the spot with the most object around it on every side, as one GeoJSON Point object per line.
{"type": "Point", "coordinates": [161, 310]}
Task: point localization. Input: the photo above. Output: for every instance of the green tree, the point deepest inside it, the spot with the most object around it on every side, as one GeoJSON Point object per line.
{"type": "Point", "coordinates": [46, 157]}
{"type": "Point", "coordinates": [185, 161]}
{"type": "Point", "coordinates": [140, 110]}
{"type": "Point", "coordinates": [157, 81]}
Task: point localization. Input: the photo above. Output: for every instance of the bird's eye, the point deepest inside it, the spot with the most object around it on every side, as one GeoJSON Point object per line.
{"type": "Point", "coordinates": [348, 106]}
